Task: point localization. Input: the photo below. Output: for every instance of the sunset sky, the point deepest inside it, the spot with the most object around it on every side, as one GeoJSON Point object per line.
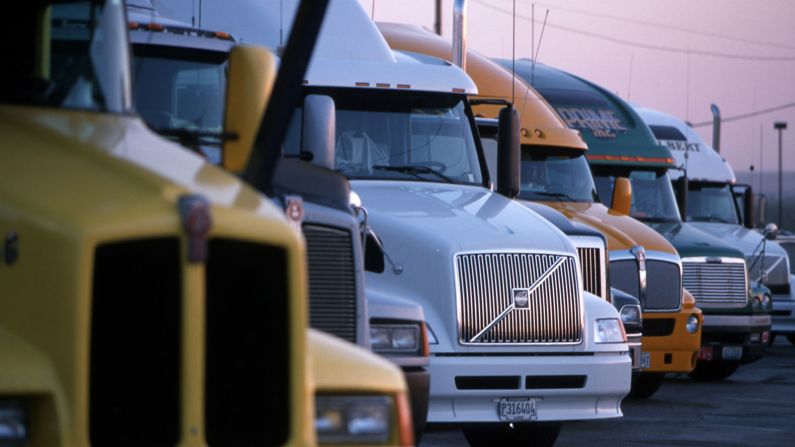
{"type": "Point", "coordinates": [677, 56]}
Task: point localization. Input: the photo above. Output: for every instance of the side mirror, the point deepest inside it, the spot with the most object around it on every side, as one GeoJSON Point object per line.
{"type": "Point", "coordinates": [319, 130]}
{"type": "Point", "coordinates": [762, 208]}
{"type": "Point", "coordinates": [622, 196]}
{"type": "Point", "coordinates": [682, 185]}
{"type": "Point", "coordinates": [508, 153]}
{"type": "Point", "coordinates": [251, 73]}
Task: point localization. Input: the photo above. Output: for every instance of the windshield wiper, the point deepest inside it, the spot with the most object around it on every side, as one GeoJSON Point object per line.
{"type": "Point", "coordinates": [190, 137]}
{"type": "Point", "coordinates": [415, 170]}
{"type": "Point", "coordinates": [558, 195]}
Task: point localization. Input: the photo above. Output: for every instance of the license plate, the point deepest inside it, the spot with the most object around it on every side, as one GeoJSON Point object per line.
{"type": "Point", "coordinates": [645, 360]}
{"type": "Point", "coordinates": [517, 409]}
{"type": "Point", "coordinates": [732, 353]}
{"type": "Point", "coordinates": [705, 353]}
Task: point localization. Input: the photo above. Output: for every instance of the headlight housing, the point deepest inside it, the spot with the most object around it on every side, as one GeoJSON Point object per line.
{"type": "Point", "coordinates": [631, 314]}
{"type": "Point", "coordinates": [13, 424]}
{"type": "Point", "coordinates": [392, 339]}
{"type": "Point", "coordinates": [692, 324]}
{"type": "Point", "coordinates": [353, 419]}
{"type": "Point", "coordinates": [609, 330]}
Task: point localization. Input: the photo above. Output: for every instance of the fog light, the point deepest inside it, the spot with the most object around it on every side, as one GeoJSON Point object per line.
{"type": "Point", "coordinates": [13, 424]}
{"type": "Point", "coordinates": [692, 324]}
{"type": "Point", "coordinates": [353, 419]}
{"type": "Point", "coordinates": [756, 338]}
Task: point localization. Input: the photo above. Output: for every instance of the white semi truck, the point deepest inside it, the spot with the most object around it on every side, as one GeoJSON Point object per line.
{"type": "Point", "coordinates": [711, 206]}
{"type": "Point", "coordinates": [517, 346]}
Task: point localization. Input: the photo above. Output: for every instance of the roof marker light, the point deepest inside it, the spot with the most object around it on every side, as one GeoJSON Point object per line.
{"type": "Point", "coordinates": [132, 25]}
{"type": "Point", "coordinates": [362, 84]}
{"type": "Point", "coordinates": [155, 27]}
{"type": "Point", "coordinates": [459, 90]}
{"type": "Point", "coordinates": [630, 158]}
{"type": "Point", "coordinates": [222, 35]}
{"type": "Point", "coordinates": [403, 85]}
{"type": "Point", "coordinates": [382, 85]}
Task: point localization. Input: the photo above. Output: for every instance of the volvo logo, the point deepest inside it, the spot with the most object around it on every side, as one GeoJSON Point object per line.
{"type": "Point", "coordinates": [521, 298]}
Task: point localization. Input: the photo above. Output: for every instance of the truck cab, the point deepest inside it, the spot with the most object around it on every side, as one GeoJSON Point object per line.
{"type": "Point", "coordinates": [620, 145]}
{"type": "Point", "coordinates": [547, 144]}
{"type": "Point", "coordinates": [710, 205]}
{"type": "Point", "coordinates": [508, 320]}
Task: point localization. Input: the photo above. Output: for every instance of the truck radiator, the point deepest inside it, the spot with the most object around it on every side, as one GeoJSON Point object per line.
{"type": "Point", "coordinates": [591, 264]}
{"type": "Point", "coordinates": [716, 284]}
{"type": "Point", "coordinates": [247, 355]}
{"type": "Point", "coordinates": [518, 298]}
{"type": "Point", "coordinates": [332, 281]}
{"type": "Point", "coordinates": [135, 354]}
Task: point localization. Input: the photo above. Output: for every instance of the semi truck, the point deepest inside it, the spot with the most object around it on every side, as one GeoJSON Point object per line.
{"type": "Point", "coordinates": [549, 147]}
{"type": "Point", "coordinates": [151, 298]}
{"type": "Point", "coordinates": [184, 69]}
{"type": "Point", "coordinates": [516, 345]}
{"type": "Point", "coordinates": [620, 145]}
{"type": "Point", "coordinates": [711, 205]}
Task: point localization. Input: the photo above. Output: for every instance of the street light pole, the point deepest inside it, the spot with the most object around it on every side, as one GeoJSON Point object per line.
{"type": "Point", "coordinates": [780, 126]}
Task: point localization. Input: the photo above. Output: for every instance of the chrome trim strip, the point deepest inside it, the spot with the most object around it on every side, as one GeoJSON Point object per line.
{"type": "Point", "coordinates": [737, 320]}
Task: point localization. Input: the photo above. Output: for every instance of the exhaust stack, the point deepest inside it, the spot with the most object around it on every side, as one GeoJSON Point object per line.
{"type": "Point", "coordinates": [715, 127]}
{"type": "Point", "coordinates": [460, 33]}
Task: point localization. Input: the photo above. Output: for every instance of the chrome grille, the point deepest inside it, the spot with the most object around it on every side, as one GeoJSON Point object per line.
{"type": "Point", "coordinates": [716, 283]}
{"type": "Point", "coordinates": [486, 284]}
{"type": "Point", "coordinates": [332, 280]}
{"type": "Point", "coordinates": [591, 265]}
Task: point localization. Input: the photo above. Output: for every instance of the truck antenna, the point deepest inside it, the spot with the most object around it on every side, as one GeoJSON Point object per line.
{"type": "Point", "coordinates": [535, 57]}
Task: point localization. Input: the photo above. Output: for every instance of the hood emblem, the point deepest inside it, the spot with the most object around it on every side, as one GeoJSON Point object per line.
{"type": "Point", "coordinates": [194, 211]}
{"type": "Point", "coordinates": [520, 298]}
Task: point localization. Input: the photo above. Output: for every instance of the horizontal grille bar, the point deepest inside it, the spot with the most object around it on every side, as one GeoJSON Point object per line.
{"type": "Point", "coordinates": [716, 284]}
{"type": "Point", "coordinates": [591, 265]}
{"type": "Point", "coordinates": [518, 298]}
{"type": "Point", "coordinates": [332, 281]}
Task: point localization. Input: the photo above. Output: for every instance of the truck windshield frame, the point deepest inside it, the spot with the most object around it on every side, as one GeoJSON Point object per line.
{"type": "Point", "coordinates": [653, 198]}
{"type": "Point", "coordinates": [88, 65]}
{"type": "Point", "coordinates": [401, 136]}
{"type": "Point", "coordinates": [712, 202]}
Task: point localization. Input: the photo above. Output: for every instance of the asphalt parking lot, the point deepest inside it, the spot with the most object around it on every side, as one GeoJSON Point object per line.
{"type": "Point", "coordinates": [755, 406]}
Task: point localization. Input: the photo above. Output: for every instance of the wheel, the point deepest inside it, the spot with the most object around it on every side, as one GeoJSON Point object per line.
{"type": "Point", "coordinates": [521, 434]}
{"type": "Point", "coordinates": [791, 338]}
{"type": "Point", "coordinates": [644, 385]}
{"type": "Point", "coordinates": [716, 370]}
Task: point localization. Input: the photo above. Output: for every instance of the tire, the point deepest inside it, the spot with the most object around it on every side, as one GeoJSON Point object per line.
{"type": "Point", "coordinates": [791, 338]}
{"type": "Point", "coordinates": [713, 371]}
{"type": "Point", "coordinates": [644, 385]}
{"type": "Point", "coordinates": [530, 434]}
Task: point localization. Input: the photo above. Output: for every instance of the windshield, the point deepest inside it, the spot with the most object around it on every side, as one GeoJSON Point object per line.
{"type": "Point", "coordinates": [181, 94]}
{"type": "Point", "coordinates": [546, 176]}
{"type": "Point", "coordinates": [79, 61]}
{"type": "Point", "coordinates": [652, 195]}
{"type": "Point", "coordinates": [390, 135]}
{"type": "Point", "coordinates": [711, 202]}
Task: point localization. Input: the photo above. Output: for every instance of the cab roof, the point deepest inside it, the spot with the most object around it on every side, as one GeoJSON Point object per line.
{"type": "Point", "coordinates": [689, 149]}
{"type": "Point", "coordinates": [614, 132]}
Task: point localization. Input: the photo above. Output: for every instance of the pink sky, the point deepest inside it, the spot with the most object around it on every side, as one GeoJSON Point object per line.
{"type": "Point", "coordinates": [659, 79]}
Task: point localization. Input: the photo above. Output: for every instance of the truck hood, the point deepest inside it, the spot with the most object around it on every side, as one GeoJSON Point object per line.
{"type": "Point", "coordinates": [462, 218]}
{"type": "Point", "coordinates": [693, 242]}
{"type": "Point", "coordinates": [622, 232]}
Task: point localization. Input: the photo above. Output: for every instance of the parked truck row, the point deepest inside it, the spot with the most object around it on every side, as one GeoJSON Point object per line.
{"type": "Point", "coordinates": [345, 231]}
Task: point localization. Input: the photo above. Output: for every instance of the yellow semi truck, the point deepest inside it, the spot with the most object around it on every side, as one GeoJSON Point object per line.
{"type": "Point", "coordinates": [149, 297]}
{"type": "Point", "coordinates": [553, 154]}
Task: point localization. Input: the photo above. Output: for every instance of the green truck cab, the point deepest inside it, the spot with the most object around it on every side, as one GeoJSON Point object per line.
{"type": "Point", "coordinates": [736, 318]}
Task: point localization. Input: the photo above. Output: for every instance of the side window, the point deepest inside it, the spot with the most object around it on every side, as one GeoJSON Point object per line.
{"type": "Point", "coordinates": [197, 98]}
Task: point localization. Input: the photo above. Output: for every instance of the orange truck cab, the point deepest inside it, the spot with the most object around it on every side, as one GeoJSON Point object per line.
{"type": "Point", "coordinates": [554, 171]}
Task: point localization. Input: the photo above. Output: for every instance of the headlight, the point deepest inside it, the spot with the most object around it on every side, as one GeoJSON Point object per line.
{"type": "Point", "coordinates": [13, 424]}
{"type": "Point", "coordinates": [395, 338]}
{"type": "Point", "coordinates": [692, 324]}
{"type": "Point", "coordinates": [353, 419]}
{"type": "Point", "coordinates": [631, 314]}
{"type": "Point", "coordinates": [609, 330]}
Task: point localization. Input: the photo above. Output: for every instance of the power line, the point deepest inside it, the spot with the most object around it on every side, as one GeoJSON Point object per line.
{"type": "Point", "coordinates": [747, 115]}
{"type": "Point", "coordinates": [649, 46]}
{"type": "Point", "coordinates": [665, 26]}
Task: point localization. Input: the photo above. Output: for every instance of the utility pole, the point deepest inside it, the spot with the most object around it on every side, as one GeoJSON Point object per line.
{"type": "Point", "coordinates": [780, 126]}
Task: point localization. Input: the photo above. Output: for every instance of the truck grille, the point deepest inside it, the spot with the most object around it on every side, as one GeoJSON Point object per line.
{"type": "Point", "coordinates": [332, 281]}
{"type": "Point", "coordinates": [716, 284]}
{"type": "Point", "coordinates": [487, 284]}
{"type": "Point", "coordinates": [135, 354]}
{"type": "Point", "coordinates": [247, 358]}
{"type": "Point", "coordinates": [663, 286]}
{"type": "Point", "coordinates": [624, 276]}
{"type": "Point", "coordinates": [591, 265]}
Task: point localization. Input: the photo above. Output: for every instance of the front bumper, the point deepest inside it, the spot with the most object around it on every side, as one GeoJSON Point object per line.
{"type": "Point", "coordinates": [724, 335]}
{"type": "Point", "coordinates": [783, 314]}
{"type": "Point", "coordinates": [551, 379]}
{"type": "Point", "coordinates": [670, 348]}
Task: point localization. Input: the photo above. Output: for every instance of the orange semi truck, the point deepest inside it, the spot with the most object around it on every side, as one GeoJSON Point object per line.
{"type": "Point", "coordinates": [555, 172]}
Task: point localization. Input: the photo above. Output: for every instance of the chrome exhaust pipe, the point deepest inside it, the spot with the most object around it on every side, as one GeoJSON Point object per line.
{"type": "Point", "coordinates": [460, 33]}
